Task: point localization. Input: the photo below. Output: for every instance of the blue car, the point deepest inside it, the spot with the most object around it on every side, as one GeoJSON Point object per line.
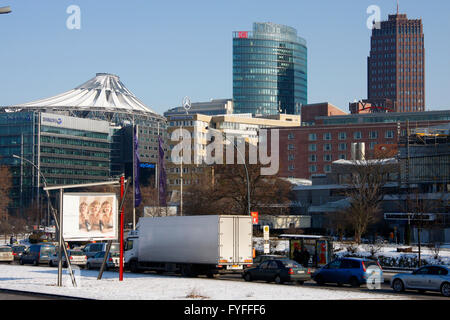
{"type": "Point", "coordinates": [353, 271]}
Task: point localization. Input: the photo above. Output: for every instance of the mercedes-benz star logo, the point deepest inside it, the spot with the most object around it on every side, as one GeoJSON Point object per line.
{"type": "Point", "coordinates": [186, 103]}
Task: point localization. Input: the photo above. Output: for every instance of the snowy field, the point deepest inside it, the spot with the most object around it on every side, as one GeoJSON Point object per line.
{"type": "Point", "coordinates": [155, 287]}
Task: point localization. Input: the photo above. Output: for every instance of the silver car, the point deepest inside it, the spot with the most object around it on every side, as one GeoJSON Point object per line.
{"type": "Point", "coordinates": [427, 278]}
{"type": "Point", "coordinates": [6, 254]}
{"type": "Point", "coordinates": [96, 261]}
{"type": "Point", "coordinates": [77, 257]}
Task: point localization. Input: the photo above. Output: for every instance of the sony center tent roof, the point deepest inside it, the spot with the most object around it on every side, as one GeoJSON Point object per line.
{"type": "Point", "coordinates": [103, 92]}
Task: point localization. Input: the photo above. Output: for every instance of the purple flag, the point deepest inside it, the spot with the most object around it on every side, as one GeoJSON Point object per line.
{"type": "Point", "coordinates": [137, 189]}
{"type": "Point", "coordinates": [162, 174]}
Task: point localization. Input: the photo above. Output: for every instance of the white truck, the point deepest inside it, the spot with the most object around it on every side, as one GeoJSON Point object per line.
{"type": "Point", "coordinates": [190, 245]}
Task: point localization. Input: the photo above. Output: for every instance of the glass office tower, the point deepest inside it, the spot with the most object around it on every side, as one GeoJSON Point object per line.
{"type": "Point", "coordinates": [269, 70]}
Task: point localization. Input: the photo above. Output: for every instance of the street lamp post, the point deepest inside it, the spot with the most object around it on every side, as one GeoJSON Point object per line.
{"type": "Point", "coordinates": [58, 226]}
{"type": "Point", "coordinates": [245, 166]}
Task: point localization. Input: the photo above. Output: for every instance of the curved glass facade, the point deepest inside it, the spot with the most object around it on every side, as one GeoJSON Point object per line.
{"type": "Point", "coordinates": [269, 70]}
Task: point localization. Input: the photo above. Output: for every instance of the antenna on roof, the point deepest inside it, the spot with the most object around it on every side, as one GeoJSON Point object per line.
{"type": "Point", "coordinates": [397, 7]}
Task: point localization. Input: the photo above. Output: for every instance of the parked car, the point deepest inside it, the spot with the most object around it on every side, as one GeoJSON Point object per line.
{"type": "Point", "coordinates": [353, 271]}
{"type": "Point", "coordinates": [77, 257]}
{"type": "Point", "coordinates": [6, 254]}
{"type": "Point", "coordinates": [18, 251]}
{"type": "Point", "coordinates": [264, 257]}
{"type": "Point", "coordinates": [91, 249]}
{"type": "Point", "coordinates": [37, 254]}
{"type": "Point", "coordinates": [96, 261]}
{"type": "Point", "coordinates": [279, 271]}
{"type": "Point", "coordinates": [427, 278]}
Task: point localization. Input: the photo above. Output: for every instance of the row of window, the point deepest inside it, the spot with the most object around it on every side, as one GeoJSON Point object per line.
{"type": "Point", "coordinates": [388, 134]}
{"type": "Point", "coordinates": [74, 132]}
{"type": "Point", "coordinates": [74, 142]}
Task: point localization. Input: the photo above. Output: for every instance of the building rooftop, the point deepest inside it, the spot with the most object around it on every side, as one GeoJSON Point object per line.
{"type": "Point", "coordinates": [103, 92]}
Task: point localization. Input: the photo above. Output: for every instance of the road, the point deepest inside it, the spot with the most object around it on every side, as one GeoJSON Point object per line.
{"type": "Point", "coordinates": [385, 289]}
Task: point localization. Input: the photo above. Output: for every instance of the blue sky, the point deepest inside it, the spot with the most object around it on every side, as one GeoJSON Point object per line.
{"type": "Point", "coordinates": [165, 50]}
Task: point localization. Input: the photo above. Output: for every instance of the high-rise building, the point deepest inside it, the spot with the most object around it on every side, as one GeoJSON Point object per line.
{"type": "Point", "coordinates": [269, 70]}
{"type": "Point", "coordinates": [396, 65]}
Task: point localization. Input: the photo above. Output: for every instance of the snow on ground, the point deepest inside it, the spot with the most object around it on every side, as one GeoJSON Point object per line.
{"type": "Point", "coordinates": [155, 287]}
{"type": "Point", "coordinates": [390, 251]}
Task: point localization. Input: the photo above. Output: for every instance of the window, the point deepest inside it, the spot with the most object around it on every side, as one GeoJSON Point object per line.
{"type": "Point", "coordinates": [342, 146]}
{"type": "Point", "coordinates": [327, 136]}
{"type": "Point", "coordinates": [327, 168]}
{"type": "Point", "coordinates": [291, 136]}
{"type": "Point", "coordinates": [313, 168]}
{"type": "Point", "coordinates": [373, 134]}
{"type": "Point", "coordinates": [372, 145]}
{"type": "Point", "coordinates": [342, 135]}
{"type": "Point", "coordinates": [327, 147]}
{"type": "Point", "coordinates": [327, 157]}
{"type": "Point", "coordinates": [312, 137]}
{"type": "Point", "coordinates": [312, 158]}
{"type": "Point", "coordinates": [342, 156]}
{"type": "Point", "coordinates": [291, 167]}
{"type": "Point", "coordinates": [357, 135]}
{"type": "Point", "coordinates": [312, 147]}
{"type": "Point", "coordinates": [290, 146]}
{"type": "Point", "coordinates": [291, 157]}
{"type": "Point", "coordinates": [389, 134]}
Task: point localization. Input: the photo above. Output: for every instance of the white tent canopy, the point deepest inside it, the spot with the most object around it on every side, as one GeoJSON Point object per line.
{"type": "Point", "coordinates": [104, 91]}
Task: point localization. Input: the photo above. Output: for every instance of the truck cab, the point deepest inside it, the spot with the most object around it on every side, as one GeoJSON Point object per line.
{"type": "Point", "coordinates": [131, 247]}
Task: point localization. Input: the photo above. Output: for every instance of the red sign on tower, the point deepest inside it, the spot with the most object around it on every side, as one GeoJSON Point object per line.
{"type": "Point", "coordinates": [243, 34]}
{"type": "Point", "coordinates": [254, 217]}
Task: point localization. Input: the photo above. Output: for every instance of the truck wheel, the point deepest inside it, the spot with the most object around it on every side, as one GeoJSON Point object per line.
{"type": "Point", "coordinates": [134, 266]}
{"type": "Point", "coordinates": [186, 270]}
{"type": "Point", "coordinates": [247, 277]}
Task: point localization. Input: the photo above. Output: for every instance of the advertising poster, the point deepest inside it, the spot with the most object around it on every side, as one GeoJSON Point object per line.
{"type": "Point", "coordinates": [90, 216]}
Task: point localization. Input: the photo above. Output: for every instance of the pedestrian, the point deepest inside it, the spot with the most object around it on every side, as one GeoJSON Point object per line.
{"type": "Point", "coordinates": [305, 257]}
{"type": "Point", "coordinates": [297, 255]}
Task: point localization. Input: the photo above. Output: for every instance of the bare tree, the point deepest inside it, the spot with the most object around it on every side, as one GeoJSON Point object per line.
{"type": "Point", "coordinates": [366, 190]}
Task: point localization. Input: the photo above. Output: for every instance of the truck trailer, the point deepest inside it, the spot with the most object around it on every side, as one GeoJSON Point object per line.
{"type": "Point", "coordinates": [190, 245]}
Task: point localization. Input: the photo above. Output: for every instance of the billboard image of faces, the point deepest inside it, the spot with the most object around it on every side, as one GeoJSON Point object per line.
{"type": "Point", "coordinates": [89, 216]}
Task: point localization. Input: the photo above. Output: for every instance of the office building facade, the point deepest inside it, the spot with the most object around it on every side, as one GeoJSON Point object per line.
{"type": "Point", "coordinates": [396, 65]}
{"type": "Point", "coordinates": [269, 70]}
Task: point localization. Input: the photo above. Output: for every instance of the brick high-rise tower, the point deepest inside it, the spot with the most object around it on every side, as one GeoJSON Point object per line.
{"type": "Point", "coordinates": [396, 65]}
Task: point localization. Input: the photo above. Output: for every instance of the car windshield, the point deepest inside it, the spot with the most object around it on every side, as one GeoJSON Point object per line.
{"type": "Point", "coordinates": [5, 249]}
{"type": "Point", "coordinates": [115, 247]}
{"type": "Point", "coordinates": [290, 264]}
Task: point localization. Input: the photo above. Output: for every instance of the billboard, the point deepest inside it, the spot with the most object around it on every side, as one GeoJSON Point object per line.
{"type": "Point", "coordinates": [90, 216]}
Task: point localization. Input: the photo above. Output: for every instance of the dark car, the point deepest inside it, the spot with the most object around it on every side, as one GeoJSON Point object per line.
{"type": "Point", "coordinates": [18, 251]}
{"type": "Point", "coordinates": [279, 271]}
{"type": "Point", "coordinates": [353, 271]}
{"type": "Point", "coordinates": [264, 257]}
{"type": "Point", "coordinates": [37, 254]}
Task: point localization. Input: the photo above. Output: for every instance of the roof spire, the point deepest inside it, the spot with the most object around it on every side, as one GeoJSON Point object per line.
{"type": "Point", "coordinates": [397, 7]}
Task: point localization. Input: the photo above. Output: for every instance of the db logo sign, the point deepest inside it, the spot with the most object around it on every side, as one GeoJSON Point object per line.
{"type": "Point", "coordinates": [243, 34]}
{"type": "Point", "coordinates": [255, 217]}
